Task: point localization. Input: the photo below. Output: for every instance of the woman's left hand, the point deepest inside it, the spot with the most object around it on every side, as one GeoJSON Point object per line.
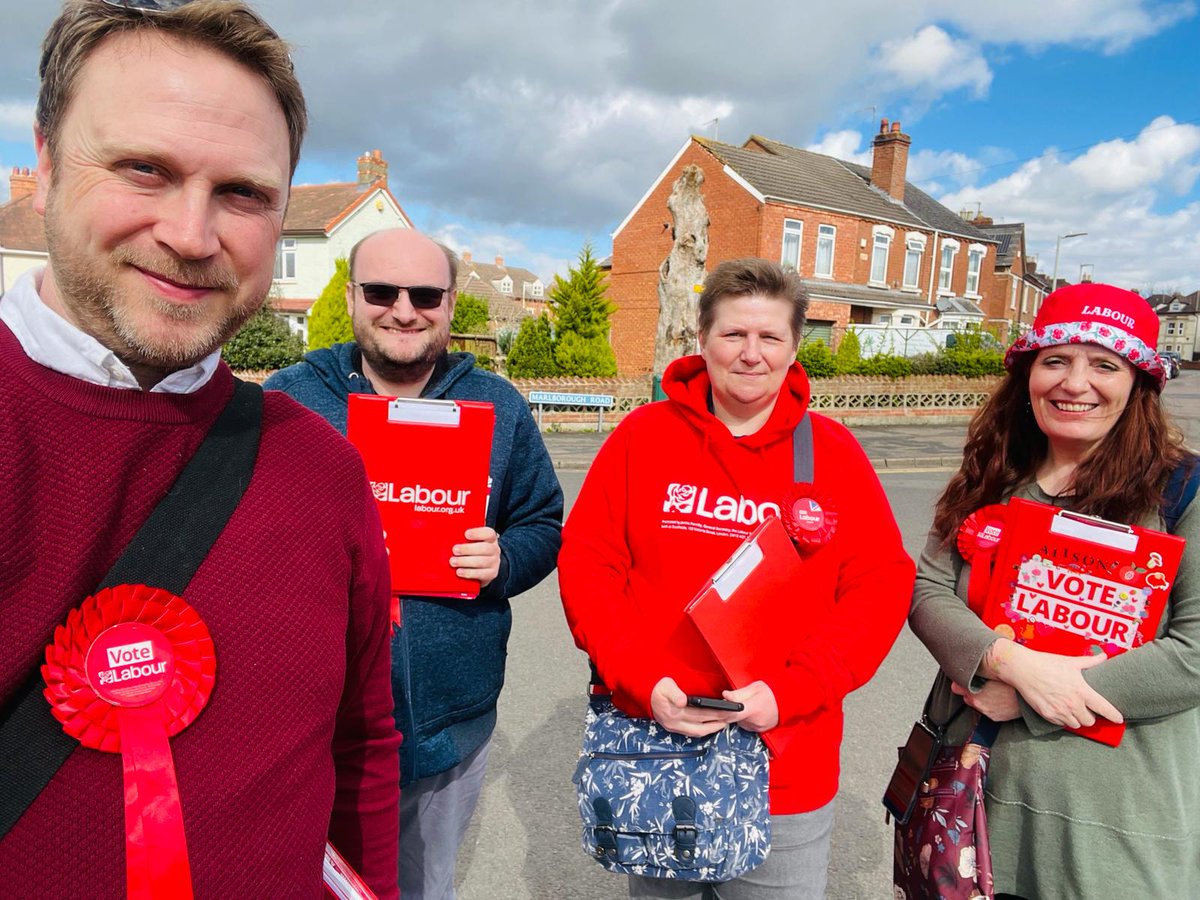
{"type": "Point", "coordinates": [997, 700]}
{"type": "Point", "coordinates": [761, 712]}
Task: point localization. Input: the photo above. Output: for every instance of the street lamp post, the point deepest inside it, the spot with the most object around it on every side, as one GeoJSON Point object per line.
{"type": "Point", "coordinates": [1057, 247]}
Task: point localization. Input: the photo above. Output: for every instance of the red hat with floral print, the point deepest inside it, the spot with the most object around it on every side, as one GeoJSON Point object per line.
{"type": "Point", "coordinates": [1116, 319]}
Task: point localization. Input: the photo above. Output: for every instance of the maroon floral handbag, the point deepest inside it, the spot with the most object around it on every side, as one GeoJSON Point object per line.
{"type": "Point", "coordinates": [942, 850]}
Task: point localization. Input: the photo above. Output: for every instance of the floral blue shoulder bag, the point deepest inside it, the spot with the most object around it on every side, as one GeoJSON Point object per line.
{"type": "Point", "coordinates": [664, 805]}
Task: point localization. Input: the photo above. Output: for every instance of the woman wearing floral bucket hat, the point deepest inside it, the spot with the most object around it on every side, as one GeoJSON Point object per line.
{"type": "Point", "coordinates": [1077, 422]}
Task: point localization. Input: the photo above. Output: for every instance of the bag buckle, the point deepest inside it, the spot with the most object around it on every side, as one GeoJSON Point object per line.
{"type": "Point", "coordinates": [606, 841]}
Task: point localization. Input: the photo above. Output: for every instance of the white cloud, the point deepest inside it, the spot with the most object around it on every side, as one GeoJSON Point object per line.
{"type": "Point", "coordinates": [16, 121]}
{"type": "Point", "coordinates": [932, 62]}
{"type": "Point", "coordinates": [1124, 194]}
{"type": "Point", "coordinates": [843, 145]}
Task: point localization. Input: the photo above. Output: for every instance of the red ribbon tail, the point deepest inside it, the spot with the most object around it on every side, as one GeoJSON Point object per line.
{"type": "Point", "coordinates": [979, 581]}
{"type": "Point", "coordinates": [156, 861]}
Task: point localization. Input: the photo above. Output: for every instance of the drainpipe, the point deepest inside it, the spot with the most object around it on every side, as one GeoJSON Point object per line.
{"type": "Point", "coordinates": [933, 265]}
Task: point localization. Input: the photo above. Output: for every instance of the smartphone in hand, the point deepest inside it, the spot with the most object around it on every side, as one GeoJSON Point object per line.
{"type": "Point", "coordinates": [714, 703]}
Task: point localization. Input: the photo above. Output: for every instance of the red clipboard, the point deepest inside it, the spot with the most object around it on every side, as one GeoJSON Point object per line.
{"type": "Point", "coordinates": [427, 461]}
{"type": "Point", "coordinates": [737, 611]}
{"type": "Point", "coordinates": [1076, 585]}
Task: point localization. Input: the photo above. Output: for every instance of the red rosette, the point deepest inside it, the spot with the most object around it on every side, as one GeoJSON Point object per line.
{"type": "Point", "coordinates": [132, 666]}
{"type": "Point", "coordinates": [809, 516]}
{"type": "Point", "coordinates": [84, 714]}
{"type": "Point", "coordinates": [981, 530]}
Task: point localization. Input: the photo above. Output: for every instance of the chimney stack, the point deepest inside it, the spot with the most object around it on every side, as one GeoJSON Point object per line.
{"type": "Point", "coordinates": [372, 167]}
{"type": "Point", "coordinates": [466, 257]}
{"type": "Point", "coordinates": [499, 262]}
{"type": "Point", "coordinates": [889, 162]}
{"type": "Point", "coordinates": [21, 183]}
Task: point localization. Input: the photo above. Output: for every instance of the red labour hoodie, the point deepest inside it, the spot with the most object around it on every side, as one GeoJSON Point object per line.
{"type": "Point", "coordinates": [668, 499]}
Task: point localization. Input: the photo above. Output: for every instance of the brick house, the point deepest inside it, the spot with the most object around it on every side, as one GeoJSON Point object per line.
{"type": "Point", "coordinates": [22, 235]}
{"type": "Point", "coordinates": [1021, 288]}
{"type": "Point", "coordinates": [512, 293]}
{"type": "Point", "coordinates": [1178, 323]}
{"type": "Point", "coordinates": [872, 248]}
{"type": "Point", "coordinates": [323, 222]}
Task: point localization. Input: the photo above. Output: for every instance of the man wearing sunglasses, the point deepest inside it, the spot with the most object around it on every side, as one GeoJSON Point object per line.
{"type": "Point", "coordinates": [166, 135]}
{"type": "Point", "coordinates": [448, 656]}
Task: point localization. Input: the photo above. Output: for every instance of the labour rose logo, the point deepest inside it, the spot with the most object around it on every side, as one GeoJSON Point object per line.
{"type": "Point", "coordinates": [680, 498]}
{"type": "Point", "coordinates": [380, 490]}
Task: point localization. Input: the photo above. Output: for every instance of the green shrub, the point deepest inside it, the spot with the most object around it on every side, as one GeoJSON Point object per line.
{"type": "Point", "coordinates": [470, 315]}
{"type": "Point", "coordinates": [886, 365]}
{"type": "Point", "coordinates": [584, 357]}
{"type": "Point", "coordinates": [264, 342]}
{"type": "Point", "coordinates": [532, 353]}
{"type": "Point", "coordinates": [817, 360]}
{"type": "Point", "coordinates": [849, 354]}
{"type": "Point", "coordinates": [484, 361]}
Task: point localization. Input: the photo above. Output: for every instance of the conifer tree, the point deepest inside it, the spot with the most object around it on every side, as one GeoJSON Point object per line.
{"type": "Point", "coordinates": [532, 353]}
{"type": "Point", "coordinates": [582, 315]}
{"type": "Point", "coordinates": [328, 322]}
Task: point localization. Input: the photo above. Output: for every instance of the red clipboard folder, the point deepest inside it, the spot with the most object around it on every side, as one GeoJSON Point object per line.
{"type": "Point", "coordinates": [738, 610]}
{"type": "Point", "coordinates": [1077, 585]}
{"type": "Point", "coordinates": [427, 461]}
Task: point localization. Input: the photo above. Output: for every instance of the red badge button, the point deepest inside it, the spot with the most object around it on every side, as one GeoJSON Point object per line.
{"type": "Point", "coordinates": [130, 664]}
{"type": "Point", "coordinates": [981, 530]}
{"type": "Point", "coordinates": [809, 516]}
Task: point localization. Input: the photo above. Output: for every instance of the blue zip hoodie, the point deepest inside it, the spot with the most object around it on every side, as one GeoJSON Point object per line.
{"type": "Point", "coordinates": [448, 657]}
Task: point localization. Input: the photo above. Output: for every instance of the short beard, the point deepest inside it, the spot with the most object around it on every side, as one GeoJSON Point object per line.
{"type": "Point", "coordinates": [92, 299]}
{"type": "Point", "coordinates": [404, 372]}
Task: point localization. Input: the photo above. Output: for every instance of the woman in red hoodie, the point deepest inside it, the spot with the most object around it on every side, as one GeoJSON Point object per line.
{"type": "Point", "coordinates": [672, 493]}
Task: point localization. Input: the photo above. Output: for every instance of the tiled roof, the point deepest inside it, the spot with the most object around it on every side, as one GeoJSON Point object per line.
{"type": "Point", "coordinates": [483, 279]}
{"type": "Point", "coordinates": [1162, 304]}
{"type": "Point", "coordinates": [861, 294]}
{"type": "Point", "coordinates": [21, 228]}
{"type": "Point", "coordinates": [959, 306]}
{"type": "Point", "coordinates": [292, 304]}
{"type": "Point", "coordinates": [787, 173]}
{"type": "Point", "coordinates": [318, 208]}
{"type": "Point", "coordinates": [1009, 235]}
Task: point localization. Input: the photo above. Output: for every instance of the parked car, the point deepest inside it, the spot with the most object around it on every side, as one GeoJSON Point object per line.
{"type": "Point", "coordinates": [1172, 361]}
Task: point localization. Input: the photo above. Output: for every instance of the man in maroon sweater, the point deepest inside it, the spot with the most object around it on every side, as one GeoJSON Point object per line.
{"type": "Point", "coordinates": [166, 141]}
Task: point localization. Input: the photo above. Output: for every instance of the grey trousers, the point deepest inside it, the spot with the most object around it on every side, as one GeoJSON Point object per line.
{"type": "Point", "coordinates": [796, 868]}
{"type": "Point", "coordinates": [434, 815]}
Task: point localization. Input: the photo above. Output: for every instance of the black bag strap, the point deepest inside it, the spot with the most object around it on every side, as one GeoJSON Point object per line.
{"type": "Point", "coordinates": [166, 552]}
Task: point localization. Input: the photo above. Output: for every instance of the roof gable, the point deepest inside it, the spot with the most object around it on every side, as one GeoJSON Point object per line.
{"type": "Point", "coordinates": [320, 208]}
{"type": "Point", "coordinates": [782, 172]}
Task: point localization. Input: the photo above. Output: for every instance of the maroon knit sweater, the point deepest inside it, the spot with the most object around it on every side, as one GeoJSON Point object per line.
{"type": "Point", "coordinates": [297, 740]}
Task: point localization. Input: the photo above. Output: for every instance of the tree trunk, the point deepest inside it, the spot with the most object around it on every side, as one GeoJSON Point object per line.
{"type": "Point", "coordinates": [682, 272]}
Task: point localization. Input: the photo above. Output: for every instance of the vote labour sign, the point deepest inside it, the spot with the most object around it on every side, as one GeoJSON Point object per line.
{"type": "Point", "coordinates": [1077, 585]}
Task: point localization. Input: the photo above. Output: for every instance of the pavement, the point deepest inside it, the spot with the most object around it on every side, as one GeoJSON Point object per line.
{"type": "Point", "coordinates": [913, 446]}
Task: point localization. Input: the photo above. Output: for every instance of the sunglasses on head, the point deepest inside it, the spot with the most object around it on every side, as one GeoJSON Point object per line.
{"type": "Point", "coordinates": [149, 5]}
{"type": "Point", "coordinates": [380, 293]}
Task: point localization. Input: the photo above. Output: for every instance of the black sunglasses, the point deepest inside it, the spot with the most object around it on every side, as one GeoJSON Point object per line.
{"type": "Point", "coordinates": [380, 293]}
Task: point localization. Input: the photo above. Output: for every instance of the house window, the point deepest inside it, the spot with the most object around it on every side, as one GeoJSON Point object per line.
{"type": "Point", "coordinates": [789, 256]}
{"type": "Point", "coordinates": [506, 285]}
{"type": "Point", "coordinates": [884, 319]}
{"type": "Point", "coordinates": [879, 256]}
{"type": "Point", "coordinates": [907, 320]}
{"type": "Point", "coordinates": [946, 269]}
{"type": "Point", "coordinates": [535, 289]}
{"type": "Point", "coordinates": [285, 260]}
{"type": "Point", "coordinates": [975, 256]}
{"type": "Point", "coordinates": [914, 248]}
{"type": "Point", "coordinates": [1012, 303]}
{"type": "Point", "coordinates": [825, 238]}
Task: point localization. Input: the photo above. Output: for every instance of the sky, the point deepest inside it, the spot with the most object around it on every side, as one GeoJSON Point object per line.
{"type": "Point", "coordinates": [527, 129]}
